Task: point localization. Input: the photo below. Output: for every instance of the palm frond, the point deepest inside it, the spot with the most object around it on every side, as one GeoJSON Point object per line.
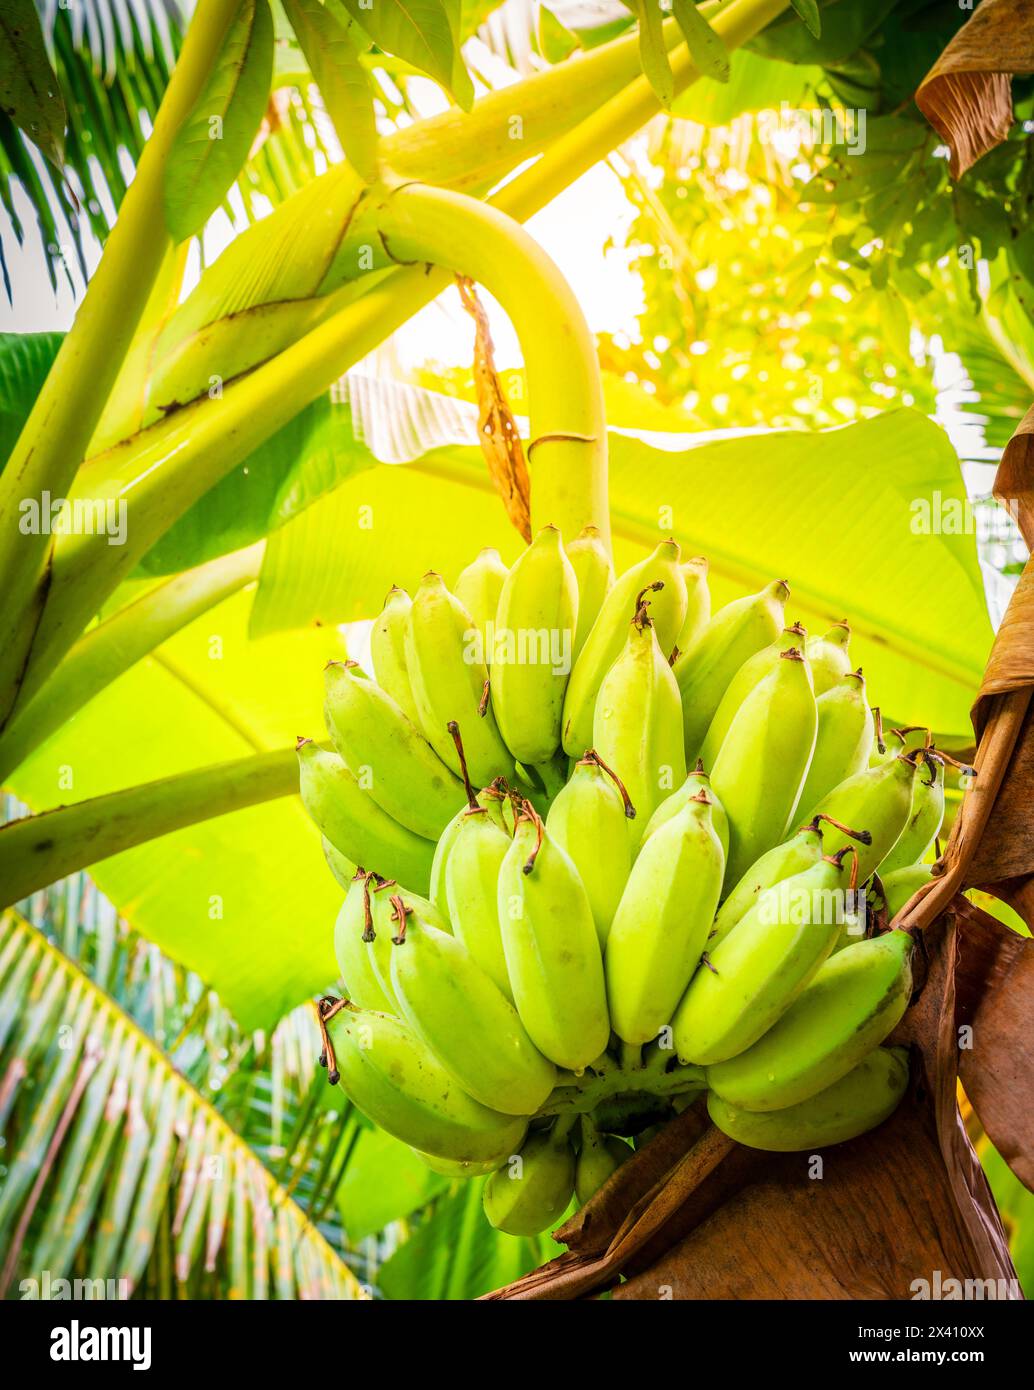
{"type": "Point", "coordinates": [112, 59]}
{"type": "Point", "coordinates": [118, 1168]}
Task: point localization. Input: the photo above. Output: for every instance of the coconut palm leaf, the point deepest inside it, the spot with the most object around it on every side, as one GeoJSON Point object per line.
{"type": "Point", "coordinates": [118, 1167]}
{"type": "Point", "coordinates": [112, 60]}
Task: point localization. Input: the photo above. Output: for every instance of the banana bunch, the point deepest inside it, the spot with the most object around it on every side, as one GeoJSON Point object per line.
{"type": "Point", "coordinates": [601, 852]}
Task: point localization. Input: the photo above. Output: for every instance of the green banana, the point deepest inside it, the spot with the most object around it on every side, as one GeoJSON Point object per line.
{"type": "Point", "coordinates": [733, 635]}
{"type": "Point", "coordinates": [697, 780]}
{"type": "Point", "coordinates": [471, 878]}
{"type": "Point", "coordinates": [599, 1158]}
{"type": "Point", "coordinates": [389, 755]}
{"type": "Point", "coordinates": [531, 1193]}
{"type": "Point", "coordinates": [463, 1017]}
{"type": "Point", "coordinates": [552, 951]}
{"type": "Point", "coordinates": [637, 725]}
{"type": "Point", "coordinates": [459, 1168]}
{"type": "Point", "coordinates": [747, 678]}
{"type": "Point", "coordinates": [764, 760]}
{"type": "Point", "coordinates": [497, 805]}
{"type": "Point", "coordinates": [927, 814]}
{"type": "Point", "coordinates": [531, 655]}
{"type": "Point", "coordinates": [754, 974]}
{"type": "Point", "coordinates": [398, 1084]}
{"type": "Point", "coordinates": [353, 958]}
{"type": "Point", "coordinates": [802, 850]}
{"type": "Point", "coordinates": [851, 1004]}
{"type": "Point", "coordinates": [878, 798]}
{"type": "Point", "coordinates": [339, 864]}
{"type": "Point", "coordinates": [388, 653]}
{"type": "Point", "coordinates": [843, 740]}
{"type": "Point", "coordinates": [890, 743]}
{"type": "Point", "coordinates": [902, 885]}
{"type": "Point", "coordinates": [588, 820]}
{"type": "Point", "coordinates": [858, 1102]}
{"type": "Point", "coordinates": [594, 575]}
{"type": "Point", "coordinates": [698, 602]}
{"type": "Point", "coordinates": [609, 633]}
{"type": "Point", "coordinates": [829, 657]}
{"type": "Point", "coordinates": [450, 682]}
{"type": "Point", "coordinates": [886, 743]}
{"type": "Point", "coordinates": [388, 910]}
{"type": "Point", "coordinates": [353, 822]}
{"type": "Point", "coordinates": [478, 588]}
{"type": "Point", "coordinates": [662, 921]}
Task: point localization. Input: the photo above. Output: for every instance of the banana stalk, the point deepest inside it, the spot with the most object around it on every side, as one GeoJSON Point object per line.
{"type": "Point", "coordinates": [38, 850]}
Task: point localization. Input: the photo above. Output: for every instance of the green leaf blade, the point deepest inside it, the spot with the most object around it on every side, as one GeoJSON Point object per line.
{"type": "Point", "coordinates": [422, 32]}
{"type": "Point", "coordinates": [29, 90]}
{"type": "Point", "coordinates": [653, 53]}
{"type": "Point", "coordinates": [332, 51]}
{"type": "Point", "coordinates": [213, 143]}
{"type": "Point", "coordinates": [809, 12]}
{"type": "Point", "coordinates": [709, 54]}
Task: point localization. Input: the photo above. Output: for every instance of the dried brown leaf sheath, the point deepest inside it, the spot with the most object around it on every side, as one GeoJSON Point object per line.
{"type": "Point", "coordinates": [966, 95]}
{"type": "Point", "coordinates": [497, 431]}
